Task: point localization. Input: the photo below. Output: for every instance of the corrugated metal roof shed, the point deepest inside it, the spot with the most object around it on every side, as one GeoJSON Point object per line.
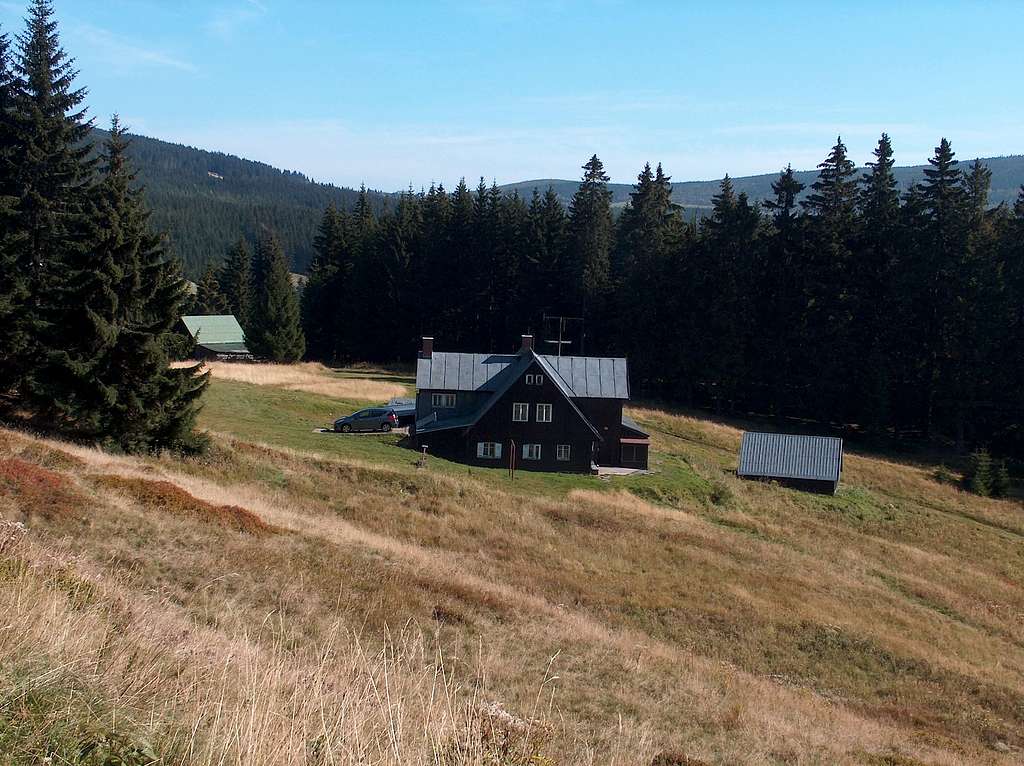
{"type": "Point", "coordinates": [207, 330]}
{"type": "Point", "coordinates": [789, 456]}
{"type": "Point", "coordinates": [583, 376]}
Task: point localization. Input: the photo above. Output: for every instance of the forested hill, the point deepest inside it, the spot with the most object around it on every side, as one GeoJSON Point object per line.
{"type": "Point", "coordinates": [1007, 177]}
{"type": "Point", "coordinates": [207, 200]}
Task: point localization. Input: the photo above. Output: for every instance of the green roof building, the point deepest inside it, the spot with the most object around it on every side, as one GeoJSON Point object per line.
{"type": "Point", "coordinates": [217, 337]}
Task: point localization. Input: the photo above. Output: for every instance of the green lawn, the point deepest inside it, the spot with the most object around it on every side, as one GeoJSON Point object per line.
{"type": "Point", "coordinates": [284, 418]}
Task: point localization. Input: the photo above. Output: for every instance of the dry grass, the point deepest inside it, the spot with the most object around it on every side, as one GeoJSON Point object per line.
{"type": "Point", "coordinates": [404, 616]}
{"type": "Point", "coordinates": [310, 377]}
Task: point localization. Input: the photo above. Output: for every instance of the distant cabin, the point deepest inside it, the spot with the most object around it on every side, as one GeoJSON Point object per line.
{"type": "Point", "coordinates": [217, 337]}
{"type": "Point", "coordinates": [812, 463]}
{"type": "Point", "coordinates": [544, 413]}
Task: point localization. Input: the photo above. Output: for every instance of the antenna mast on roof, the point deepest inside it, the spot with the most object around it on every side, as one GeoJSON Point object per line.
{"type": "Point", "coordinates": [563, 327]}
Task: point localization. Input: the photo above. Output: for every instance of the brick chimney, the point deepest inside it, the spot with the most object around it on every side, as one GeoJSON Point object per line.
{"type": "Point", "coordinates": [527, 344]}
{"type": "Point", "coordinates": [427, 350]}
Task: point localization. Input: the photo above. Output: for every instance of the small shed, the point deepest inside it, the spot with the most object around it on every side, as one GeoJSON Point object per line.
{"type": "Point", "coordinates": [812, 463]}
{"type": "Point", "coordinates": [217, 337]}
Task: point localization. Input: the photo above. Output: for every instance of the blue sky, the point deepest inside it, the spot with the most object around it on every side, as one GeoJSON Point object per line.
{"type": "Point", "coordinates": [399, 93]}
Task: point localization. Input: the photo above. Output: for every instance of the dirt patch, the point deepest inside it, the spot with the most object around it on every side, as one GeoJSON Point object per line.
{"type": "Point", "coordinates": [38, 491]}
{"type": "Point", "coordinates": [170, 498]}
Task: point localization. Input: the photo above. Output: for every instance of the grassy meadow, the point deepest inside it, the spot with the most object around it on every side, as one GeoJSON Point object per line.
{"type": "Point", "coordinates": [296, 597]}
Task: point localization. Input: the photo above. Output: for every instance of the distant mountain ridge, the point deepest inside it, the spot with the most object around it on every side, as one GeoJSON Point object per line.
{"type": "Point", "coordinates": [1007, 178]}
{"type": "Point", "coordinates": [206, 200]}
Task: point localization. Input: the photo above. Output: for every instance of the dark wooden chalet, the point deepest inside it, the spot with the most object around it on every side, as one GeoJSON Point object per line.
{"type": "Point", "coordinates": [556, 413]}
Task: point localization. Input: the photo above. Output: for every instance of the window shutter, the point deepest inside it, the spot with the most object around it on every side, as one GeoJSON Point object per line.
{"type": "Point", "coordinates": [497, 450]}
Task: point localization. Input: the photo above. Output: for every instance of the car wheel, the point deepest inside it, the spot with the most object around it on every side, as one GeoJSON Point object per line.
{"type": "Point", "coordinates": [385, 427]}
{"type": "Point", "coordinates": [346, 428]}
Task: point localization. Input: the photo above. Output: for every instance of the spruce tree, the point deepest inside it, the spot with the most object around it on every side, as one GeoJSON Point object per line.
{"type": "Point", "coordinates": [276, 332]}
{"type": "Point", "coordinates": [13, 284]}
{"type": "Point", "coordinates": [209, 301]}
{"type": "Point", "coordinates": [647, 231]}
{"type": "Point", "coordinates": [834, 193]}
{"type": "Point", "coordinates": [47, 213]}
{"type": "Point", "coordinates": [832, 208]}
{"type": "Point", "coordinates": [783, 206]}
{"type": "Point", "coordinates": [780, 299]}
{"type": "Point", "coordinates": [546, 257]}
{"type": "Point", "coordinates": [155, 407]}
{"type": "Point", "coordinates": [326, 294]}
{"type": "Point", "coordinates": [590, 243]}
{"type": "Point", "coordinates": [726, 257]}
{"type": "Point", "coordinates": [943, 229]}
{"type": "Point", "coordinates": [872, 288]}
{"type": "Point", "coordinates": [234, 282]}
{"type": "Point", "coordinates": [980, 474]}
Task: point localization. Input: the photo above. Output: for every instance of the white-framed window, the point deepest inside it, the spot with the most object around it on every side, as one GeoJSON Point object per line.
{"type": "Point", "coordinates": [563, 452]}
{"type": "Point", "coordinates": [443, 401]}
{"type": "Point", "coordinates": [531, 452]}
{"type": "Point", "coordinates": [520, 412]}
{"type": "Point", "coordinates": [489, 450]}
{"type": "Point", "coordinates": [543, 413]}
{"type": "Point", "coordinates": [534, 379]}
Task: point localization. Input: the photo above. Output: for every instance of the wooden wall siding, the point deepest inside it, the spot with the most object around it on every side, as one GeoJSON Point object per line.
{"type": "Point", "coordinates": [566, 427]}
{"type": "Point", "coordinates": [606, 415]}
{"type": "Point", "coordinates": [634, 456]}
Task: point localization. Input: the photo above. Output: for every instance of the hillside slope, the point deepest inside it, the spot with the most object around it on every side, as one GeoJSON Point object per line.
{"type": "Point", "coordinates": [206, 200]}
{"type": "Point", "coordinates": [299, 597]}
{"type": "Point", "coordinates": [1007, 178]}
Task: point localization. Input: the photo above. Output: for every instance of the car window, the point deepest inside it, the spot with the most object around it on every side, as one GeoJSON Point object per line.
{"type": "Point", "coordinates": [362, 414]}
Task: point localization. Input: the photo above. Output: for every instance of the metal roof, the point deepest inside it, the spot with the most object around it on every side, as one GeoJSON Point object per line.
{"type": "Point", "coordinates": [581, 376]}
{"type": "Point", "coordinates": [501, 382]}
{"type": "Point", "coordinates": [632, 425]}
{"type": "Point", "coordinates": [789, 456]}
{"type": "Point", "coordinates": [223, 328]}
{"type": "Point", "coordinates": [593, 377]}
{"type": "Point", "coordinates": [432, 424]}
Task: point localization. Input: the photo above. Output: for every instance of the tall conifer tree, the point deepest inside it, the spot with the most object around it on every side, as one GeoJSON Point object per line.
{"type": "Point", "coordinates": [51, 175]}
{"type": "Point", "coordinates": [943, 225]}
{"type": "Point", "coordinates": [276, 333]}
{"type": "Point", "coordinates": [872, 286]}
{"type": "Point", "coordinates": [13, 283]}
{"type": "Point", "coordinates": [590, 243]}
{"type": "Point", "coordinates": [234, 280]}
{"type": "Point", "coordinates": [155, 407]}
{"type": "Point", "coordinates": [546, 258]}
{"type": "Point", "coordinates": [327, 295]}
{"type": "Point", "coordinates": [780, 300]}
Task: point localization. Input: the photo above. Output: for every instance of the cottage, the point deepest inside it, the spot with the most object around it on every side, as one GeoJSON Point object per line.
{"type": "Point", "coordinates": [812, 463]}
{"type": "Point", "coordinates": [217, 337]}
{"type": "Point", "coordinates": [545, 413]}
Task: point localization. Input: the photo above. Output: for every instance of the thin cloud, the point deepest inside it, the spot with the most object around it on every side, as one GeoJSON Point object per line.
{"type": "Point", "coordinates": [127, 55]}
{"type": "Point", "coordinates": [228, 20]}
{"type": "Point", "coordinates": [838, 127]}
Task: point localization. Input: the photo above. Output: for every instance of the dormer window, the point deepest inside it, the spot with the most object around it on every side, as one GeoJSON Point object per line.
{"type": "Point", "coordinates": [443, 401]}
